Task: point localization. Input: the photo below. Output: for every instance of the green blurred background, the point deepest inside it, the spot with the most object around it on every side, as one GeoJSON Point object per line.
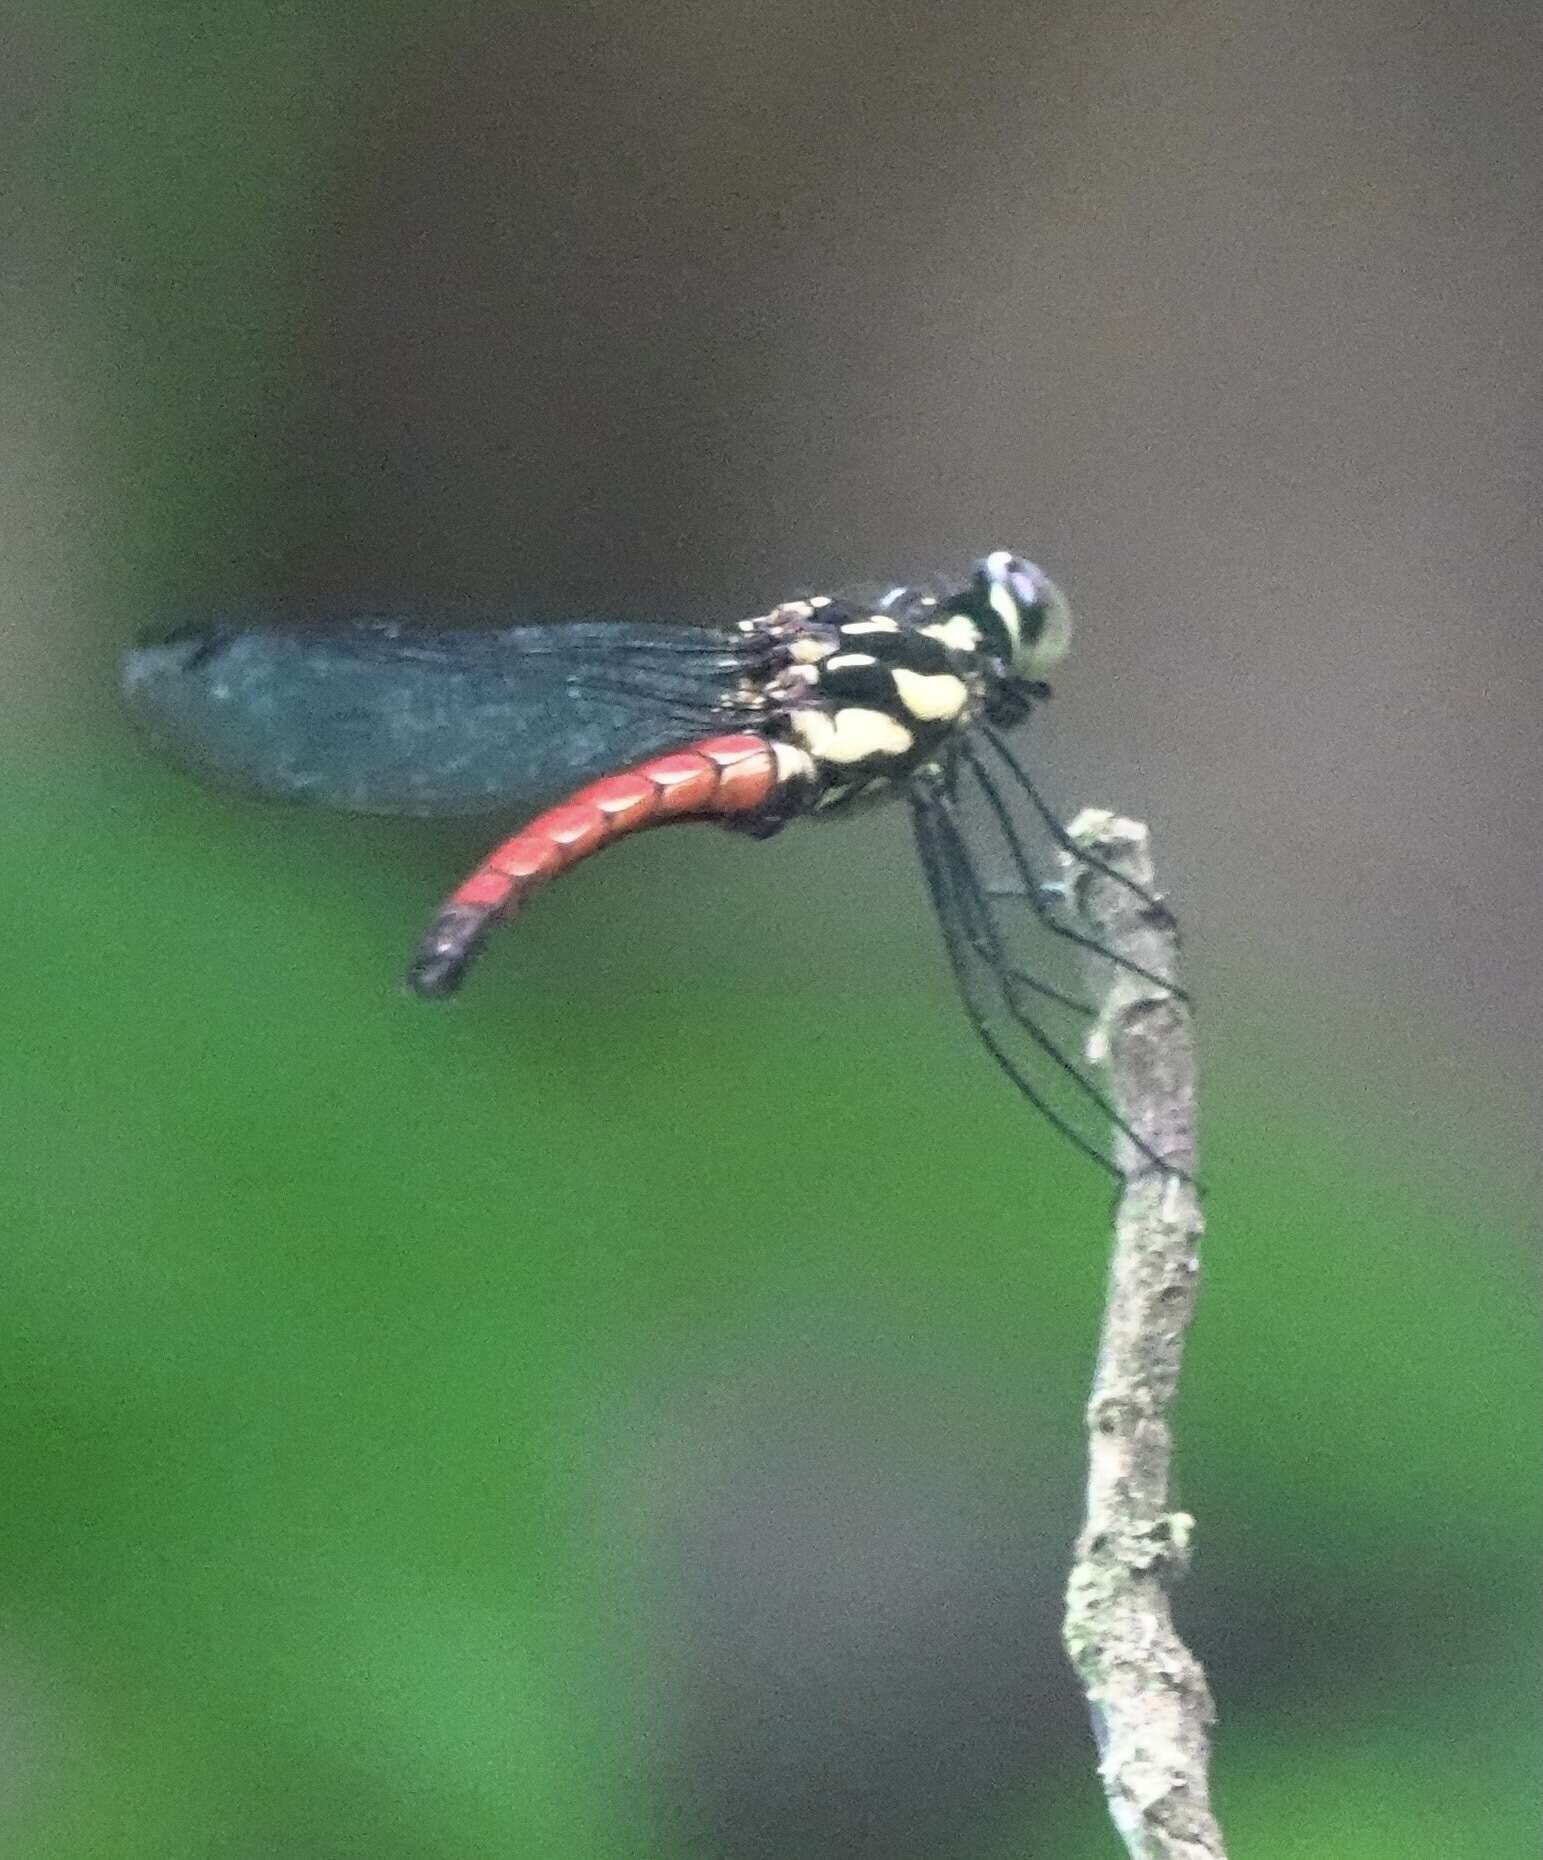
{"type": "Point", "coordinates": [635, 1411]}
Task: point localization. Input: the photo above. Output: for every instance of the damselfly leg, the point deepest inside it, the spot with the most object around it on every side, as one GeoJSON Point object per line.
{"type": "Point", "coordinates": [990, 985]}
{"type": "Point", "coordinates": [1043, 899]}
{"type": "Point", "coordinates": [1046, 898]}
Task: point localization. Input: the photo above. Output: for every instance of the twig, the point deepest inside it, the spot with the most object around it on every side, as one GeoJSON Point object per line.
{"type": "Point", "coordinates": [1147, 1694]}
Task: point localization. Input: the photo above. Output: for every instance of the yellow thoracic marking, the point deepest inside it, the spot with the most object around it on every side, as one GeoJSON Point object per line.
{"type": "Point", "coordinates": [876, 623]}
{"type": "Point", "coordinates": [792, 683]}
{"type": "Point", "coordinates": [851, 735]}
{"type": "Point", "coordinates": [931, 697]}
{"type": "Point", "coordinates": [807, 651]}
{"type": "Point", "coordinates": [958, 631]}
{"type": "Point", "coordinates": [792, 763]}
{"type": "Point", "coordinates": [846, 661]}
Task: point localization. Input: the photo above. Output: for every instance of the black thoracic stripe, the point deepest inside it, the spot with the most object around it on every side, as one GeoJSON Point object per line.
{"type": "Point", "coordinates": [864, 684]}
{"type": "Point", "coordinates": [917, 652]}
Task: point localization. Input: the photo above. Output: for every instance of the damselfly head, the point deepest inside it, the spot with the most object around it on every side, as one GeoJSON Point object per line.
{"type": "Point", "coordinates": [1025, 609]}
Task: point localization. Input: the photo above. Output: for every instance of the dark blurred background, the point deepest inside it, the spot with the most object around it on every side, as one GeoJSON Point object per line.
{"type": "Point", "coordinates": [636, 1412]}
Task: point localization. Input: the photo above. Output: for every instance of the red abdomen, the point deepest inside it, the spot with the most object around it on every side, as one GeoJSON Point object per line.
{"type": "Point", "coordinates": [718, 778]}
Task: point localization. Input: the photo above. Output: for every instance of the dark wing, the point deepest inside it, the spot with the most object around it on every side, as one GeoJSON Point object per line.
{"type": "Point", "coordinates": [384, 717]}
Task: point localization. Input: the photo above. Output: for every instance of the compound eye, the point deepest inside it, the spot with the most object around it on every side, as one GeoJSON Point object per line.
{"type": "Point", "coordinates": [1036, 613]}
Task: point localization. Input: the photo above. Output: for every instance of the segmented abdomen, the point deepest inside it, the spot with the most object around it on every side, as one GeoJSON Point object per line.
{"type": "Point", "coordinates": [717, 778]}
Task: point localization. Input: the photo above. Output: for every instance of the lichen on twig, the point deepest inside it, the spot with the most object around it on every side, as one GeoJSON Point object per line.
{"type": "Point", "coordinates": [1150, 1704]}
